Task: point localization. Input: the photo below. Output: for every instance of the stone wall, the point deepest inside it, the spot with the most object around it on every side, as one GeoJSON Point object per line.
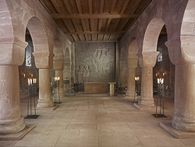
{"type": "Point", "coordinates": [95, 62]}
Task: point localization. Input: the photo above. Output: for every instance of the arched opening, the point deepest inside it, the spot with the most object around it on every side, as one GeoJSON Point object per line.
{"type": "Point", "coordinates": [28, 75]}
{"type": "Point", "coordinates": [67, 71]}
{"type": "Point", "coordinates": [38, 34]}
{"type": "Point", "coordinates": [165, 70]}
{"type": "Point", "coordinates": [154, 40]}
{"type": "Point", "coordinates": [36, 38]}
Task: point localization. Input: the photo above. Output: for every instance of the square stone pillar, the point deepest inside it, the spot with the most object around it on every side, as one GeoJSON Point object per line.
{"type": "Point", "coordinates": [131, 84]}
{"type": "Point", "coordinates": [58, 65]}
{"type": "Point", "coordinates": [59, 73]}
{"type": "Point", "coordinates": [132, 64]}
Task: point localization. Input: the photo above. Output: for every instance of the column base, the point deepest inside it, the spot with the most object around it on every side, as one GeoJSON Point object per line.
{"type": "Point", "coordinates": [167, 126]}
{"type": "Point", "coordinates": [11, 126]}
{"type": "Point", "coordinates": [129, 97]}
{"type": "Point", "coordinates": [147, 102]}
{"type": "Point", "coordinates": [17, 136]}
{"type": "Point", "coordinates": [45, 103]}
{"type": "Point", "coordinates": [180, 124]}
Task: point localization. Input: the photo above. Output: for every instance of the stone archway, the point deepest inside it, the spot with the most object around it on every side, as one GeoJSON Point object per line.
{"type": "Point", "coordinates": [152, 34]}
{"type": "Point", "coordinates": [149, 56]}
{"type": "Point", "coordinates": [38, 34]}
{"type": "Point", "coordinates": [43, 59]}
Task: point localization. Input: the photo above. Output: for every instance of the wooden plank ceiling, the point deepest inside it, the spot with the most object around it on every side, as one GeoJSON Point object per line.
{"type": "Point", "coordinates": [95, 20]}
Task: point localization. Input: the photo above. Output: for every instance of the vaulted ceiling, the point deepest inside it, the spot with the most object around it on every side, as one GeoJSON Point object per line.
{"type": "Point", "coordinates": [95, 20]}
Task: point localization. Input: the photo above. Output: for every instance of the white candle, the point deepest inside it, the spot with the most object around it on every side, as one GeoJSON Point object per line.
{"type": "Point", "coordinates": [162, 81]}
{"type": "Point", "coordinates": [34, 80]}
{"type": "Point", "coordinates": [158, 80]}
{"type": "Point", "coordinates": [29, 82]}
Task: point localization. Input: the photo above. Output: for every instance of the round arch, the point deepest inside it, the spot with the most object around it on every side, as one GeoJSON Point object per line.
{"type": "Point", "coordinates": [38, 34]}
{"type": "Point", "coordinates": [188, 33]}
{"type": "Point", "coordinates": [151, 35]}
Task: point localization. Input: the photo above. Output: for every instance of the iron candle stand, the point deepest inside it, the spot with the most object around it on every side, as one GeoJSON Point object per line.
{"type": "Point", "coordinates": [160, 99]}
{"type": "Point", "coordinates": [31, 99]}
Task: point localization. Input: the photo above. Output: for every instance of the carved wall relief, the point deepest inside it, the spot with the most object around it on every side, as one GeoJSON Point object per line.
{"type": "Point", "coordinates": [95, 62]}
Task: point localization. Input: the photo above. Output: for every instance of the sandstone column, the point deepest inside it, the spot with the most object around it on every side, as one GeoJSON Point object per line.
{"type": "Point", "coordinates": [12, 55]}
{"type": "Point", "coordinates": [148, 62]}
{"type": "Point", "coordinates": [184, 112]}
{"type": "Point", "coordinates": [42, 61]}
{"type": "Point", "coordinates": [132, 64]}
{"type": "Point", "coordinates": [184, 102]}
{"type": "Point", "coordinates": [58, 65]}
{"type": "Point", "coordinates": [44, 89]}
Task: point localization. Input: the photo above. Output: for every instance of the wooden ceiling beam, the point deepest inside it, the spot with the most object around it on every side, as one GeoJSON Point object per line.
{"type": "Point", "coordinates": [92, 16]}
{"type": "Point", "coordinates": [78, 4]}
{"type": "Point", "coordinates": [93, 32]}
{"type": "Point", "coordinates": [109, 20]}
{"type": "Point", "coordinates": [99, 20]}
{"type": "Point", "coordinates": [90, 3]}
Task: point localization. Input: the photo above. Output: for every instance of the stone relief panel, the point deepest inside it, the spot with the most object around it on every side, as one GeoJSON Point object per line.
{"type": "Point", "coordinates": [95, 62]}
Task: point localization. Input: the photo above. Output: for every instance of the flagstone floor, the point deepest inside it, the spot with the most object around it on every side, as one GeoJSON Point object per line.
{"type": "Point", "coordinates": [97, 122]}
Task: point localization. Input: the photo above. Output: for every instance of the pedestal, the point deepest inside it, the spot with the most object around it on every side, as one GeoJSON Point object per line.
{"type": "Point", "coordinates": [112, 89]}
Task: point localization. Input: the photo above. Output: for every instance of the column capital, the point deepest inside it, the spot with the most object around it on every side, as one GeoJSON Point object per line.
{"type": "Point", "coordinates": [12, 51]}
{"type": "Point", "coordinates": [149, 58]}
{"type": "Point", "coordinates": [175, 54]}
{"type": "Point", "coordinates": [42, 59]}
